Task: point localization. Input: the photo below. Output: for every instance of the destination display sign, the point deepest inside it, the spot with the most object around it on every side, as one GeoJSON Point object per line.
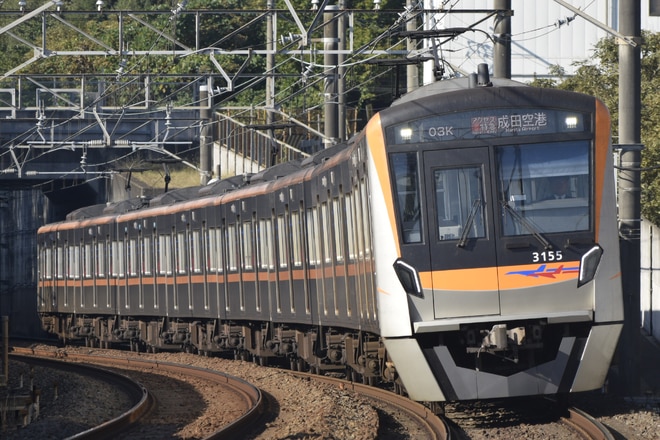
{"type": "Point", "coordinates": [487, 123]}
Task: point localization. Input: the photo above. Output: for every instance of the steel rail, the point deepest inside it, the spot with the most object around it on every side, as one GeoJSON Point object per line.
{"type": "Point", "coordinates": [250, 394]}
{"type": "Point", "coordinates": [587, 426]}
{"type": "Point", "coordinates": [140, 396]}
{"type": "Point", "coordinates": [436, 427]}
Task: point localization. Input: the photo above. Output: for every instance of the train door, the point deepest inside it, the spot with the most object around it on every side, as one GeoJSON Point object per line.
{"type": "Point", "coordinates": [461, 240]}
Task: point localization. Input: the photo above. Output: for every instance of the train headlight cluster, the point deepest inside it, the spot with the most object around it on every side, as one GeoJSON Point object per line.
{"type": "Point", "coordinates": [571, 121]}
{"type": "Point", "coordinates": [406, 133]}
{"type": "Point", "coordinates": [589, 264]}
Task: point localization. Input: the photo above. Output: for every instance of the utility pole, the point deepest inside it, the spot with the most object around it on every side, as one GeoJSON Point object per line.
{"type": "Point", "coordinates": [502, 46]}
{"type": "Point", "coordinates": [341, 72]}
{"type": "Point", "coordinates": [330, 60]}
{"type": "Point", "coordinates": [205, 141]}
{"type": "Point", "coordinates": [412, 70]}
{"type": "Point", "coordinates": [629, 191]}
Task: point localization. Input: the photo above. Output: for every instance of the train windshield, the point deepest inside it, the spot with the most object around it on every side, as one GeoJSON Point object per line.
{"type": "Point", "coordinates": [544, 188]}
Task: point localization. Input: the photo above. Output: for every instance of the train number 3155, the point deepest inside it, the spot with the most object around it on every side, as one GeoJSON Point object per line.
{"type": "Point", "coordinates": [547, 256]}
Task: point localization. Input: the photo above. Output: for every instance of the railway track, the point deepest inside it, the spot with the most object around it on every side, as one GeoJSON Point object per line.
{"type": "Point", "coordinates": [432, 426]}
{"type": "Point", "coordinates": [160, 414]}
{"type": "Point", "coordinates": [462, 423]}
{"type": "Point", "coordinates": [588, 427]}
{"type": "Point", "coordinates": [510, 418]}
{"type": "Point", "coordinates": [427, 424]}
{"type": "Point", "coordinates": [143, 401]}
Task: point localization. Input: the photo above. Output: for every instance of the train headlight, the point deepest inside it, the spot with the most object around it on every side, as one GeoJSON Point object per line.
{"type": "Point", "coordinates": [589, 264]}
{"type": "Point", "coordinates": [406, 133]}
{"type": "Point", "coordinates": [409, 278]}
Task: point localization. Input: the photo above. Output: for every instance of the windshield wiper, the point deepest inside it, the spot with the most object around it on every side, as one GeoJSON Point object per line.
{"type": "Point", "coordinates": [468, 223]}
{"type": "Point", "coordinates": [529, 226]}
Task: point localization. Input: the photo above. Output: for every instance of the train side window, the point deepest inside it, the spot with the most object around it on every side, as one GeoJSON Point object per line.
{"type": "Point", "coordinates": [232, 257]}
{"type": "Point", "coordinates": [100, 260]}
{"type": "Point", "coordinates": [146, 256]}
{"type": "Point", "coordinates": [265, 249]}
{"type": "Point", "coordinates": [313, 236]}
{"type": "Point", "coordinates": [48, 252]}
{"type": "Point", "coordinates": [196, 251]}
{"type": "Point", "coordinates": [366, 216]}
{"type": "Point", "coordinates": [88, 268]}
{"type": "Point", "coordinates": [59, 262]}
{"type": "Point", "coordinates": [281, 241]}
{"type": "Point", "coordinates": [357, 200]}
{"type": "Point", "coordinates": [181, 256]}
{"type": "Point", "coordinates": [295, 238]}
{"type": "Point", "coordinates": [214, 249]}
{"type": "Point", "coordinates": [406, 187]}
{"type": "Point", "coordinates": [132, 257]}
{"type": "Point", "coordinates": [73, 266]}
{"type": "Point", "coordinates": [118, 259]}
{"type": "Point", "coordinates": [325, 227]}
{"type": "Point", "coordinates": [246, 246]}
{"type": "Point", "coordinates": [350, 226]}
{"type": "Point", "coordinates": [338, 226]}
{"type": "Point", "coordinates": [164, 255]}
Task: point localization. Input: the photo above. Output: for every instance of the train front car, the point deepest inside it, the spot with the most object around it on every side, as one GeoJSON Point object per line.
{"type": "Point", "coordinates": [499, 275]}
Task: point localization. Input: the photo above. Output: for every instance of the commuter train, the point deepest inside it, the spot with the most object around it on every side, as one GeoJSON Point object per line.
{"type": "Point", "coordinates": [431, 251]}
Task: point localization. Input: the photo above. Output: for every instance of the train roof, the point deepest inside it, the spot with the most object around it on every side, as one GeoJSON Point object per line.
{"type": "Point", "coordinates": [214, 189]}
{"type": "Point", "coordinates": [452, 85]}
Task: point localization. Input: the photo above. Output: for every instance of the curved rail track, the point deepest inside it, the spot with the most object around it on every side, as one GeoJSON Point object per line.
{"type": "Point", "coordinates": [251, 395]}
{"type": "Point", "coordinates": [432, 426]}
{"type": "Point", "coordinates": [588, 427]}
{"type": "Point", "coordinates": [139, 395]}
{"type": "Point", "coordinates": [435, 427]}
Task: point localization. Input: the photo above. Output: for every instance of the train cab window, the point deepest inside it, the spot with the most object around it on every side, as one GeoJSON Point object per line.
{"type": "Point", "coordinates": [459, 203]}
{"type": "Point", "coordinates": [406, 172]}
{"type": "Point", "coordinates": [544, 188]}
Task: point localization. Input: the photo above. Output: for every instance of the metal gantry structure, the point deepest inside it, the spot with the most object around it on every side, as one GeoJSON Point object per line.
{"type": "Point", "coordinates": [129, 109]}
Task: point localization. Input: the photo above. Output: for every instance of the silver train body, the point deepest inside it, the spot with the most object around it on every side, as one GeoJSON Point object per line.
{"type": "Point", "coordinates": [429, 251]}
